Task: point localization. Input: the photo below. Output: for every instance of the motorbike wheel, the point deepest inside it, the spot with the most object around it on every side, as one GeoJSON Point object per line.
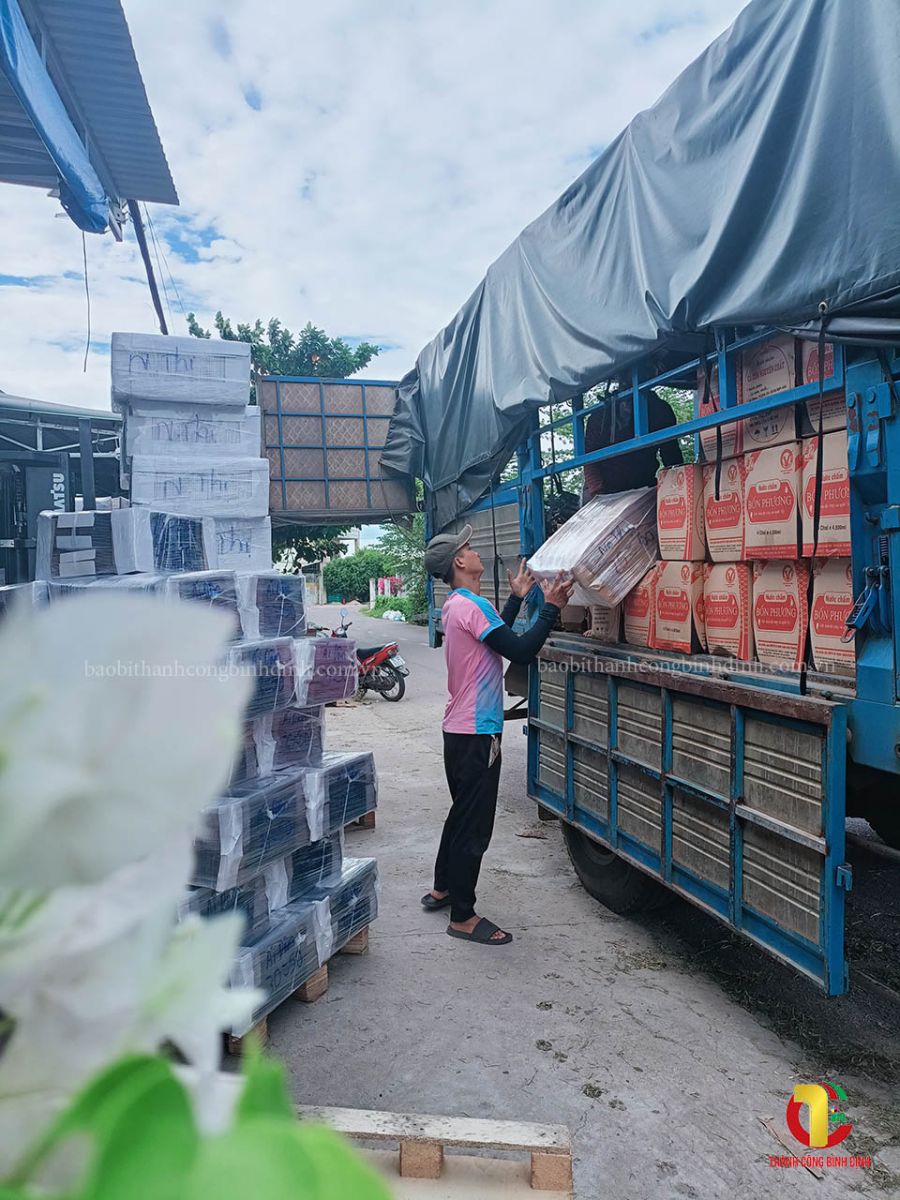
{"type": "Point", "coordinates": [396, 688]}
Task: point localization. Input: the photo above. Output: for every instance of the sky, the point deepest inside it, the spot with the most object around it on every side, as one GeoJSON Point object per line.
{"type": "Point", "coordinates": [353, 164]}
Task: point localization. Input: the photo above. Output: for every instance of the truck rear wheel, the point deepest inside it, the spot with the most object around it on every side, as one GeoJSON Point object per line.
{"type": "Point", "coordinates": [608, 878]}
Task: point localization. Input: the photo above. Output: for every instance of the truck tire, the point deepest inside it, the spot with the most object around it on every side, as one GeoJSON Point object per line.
{"type": "Point", "coordinates": [615, 883]}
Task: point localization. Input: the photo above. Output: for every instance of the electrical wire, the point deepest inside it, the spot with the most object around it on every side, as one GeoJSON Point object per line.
{"type": "Point", "coordinates": [158, 262]}
{"type": "Point", "coordinates": [161, 243]}
{"type": "Point", "coordinates": [87, 292]}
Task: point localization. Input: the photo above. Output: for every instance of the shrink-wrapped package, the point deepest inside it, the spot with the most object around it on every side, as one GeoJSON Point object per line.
{"type": "Point", "coordinates": [240, 543]}
{"type": "Point", "coordinates": [326, 670]}
{"type": "Point", "coordinates": [273, 604]}
{"type": "Point", "coordinates": [138, 585]}
{"type": "Point", "coordinates": [214, 589]}
{"type": "Point", "coordinates": [201, 486]}
{"type": "Point", "coordinates": [352, 899]}
{"type": "Point", "coordinates": [14, 596]}
{"type": "Point", "coordinates": [271, 665]}
{"type": "Point", "coordinates": [280, 883]}
{"type": "Point", "coordinates": [150, 368]}
{"type": "Point", "coordinates": [179, 430]}
{"type": "Point", "coordinates": [296, 942]}
{"type": "Point", "coordinates": [255, 824]}
{"type": "Point", "coordinates": [290, 737]}
{"type": "Point", "coordinates": [343, 789]}
{"type": "Point", "coordinates": [607, 547]}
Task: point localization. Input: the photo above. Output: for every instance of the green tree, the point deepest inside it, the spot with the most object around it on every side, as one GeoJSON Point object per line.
{"type": "Point", "coordinates": [274, 350]}
{"type": "Point", "coordinates": [349, 577]}
{"type": "Point", "coordinates": [310, 543]}
{"type": "Point", "coordinates": [404, 553]}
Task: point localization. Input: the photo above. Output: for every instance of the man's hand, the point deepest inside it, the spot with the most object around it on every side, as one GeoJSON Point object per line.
{"type": "Point", "coordinates": [559, 591]}
{"type": "Point", "coordinates": [522, 582]}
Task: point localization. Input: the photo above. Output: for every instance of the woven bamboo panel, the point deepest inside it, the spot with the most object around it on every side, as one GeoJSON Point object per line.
{"type": "Point", "coordinates": [304, 464]}
{"type": "Point", "coordinates": [380, 401]}
{"type": "Point", "coordinates": [378, 431]}
{"type": "Point", "coordinates": [302, 497]}
{"type": "Point", "coordinates": [350, 464]}
{"type": "Point", "coordinates": [299, 398]}
{"type": "Point", "coordinates": [342, 399]}
{"type": "Point", "coordinates": [345, 431]}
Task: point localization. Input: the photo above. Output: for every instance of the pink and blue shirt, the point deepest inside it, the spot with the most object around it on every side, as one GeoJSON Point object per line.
{"type": "Point", "coordinates": [474, 670]}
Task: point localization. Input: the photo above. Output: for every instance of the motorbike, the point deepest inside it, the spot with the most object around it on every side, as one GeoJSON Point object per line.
{"type": "Point", "coordinates": [382, 669]}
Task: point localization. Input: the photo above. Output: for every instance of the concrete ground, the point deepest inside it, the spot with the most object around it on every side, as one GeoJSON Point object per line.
{"type": "Point", "coordinates": [625, 1030]}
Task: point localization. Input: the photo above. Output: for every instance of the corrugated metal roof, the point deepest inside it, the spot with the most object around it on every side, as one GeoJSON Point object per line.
{"type": "Point", "coordinates": [91, 59]}
{"type": "Point", "coordinates": [49, 408]}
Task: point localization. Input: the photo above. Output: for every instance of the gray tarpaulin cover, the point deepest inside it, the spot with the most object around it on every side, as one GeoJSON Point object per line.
{"type": "Point", "coordinates": [763, 183]}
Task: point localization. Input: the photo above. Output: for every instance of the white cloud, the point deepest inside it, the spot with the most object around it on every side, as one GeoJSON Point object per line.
{"type": "Point", "coordinates": [354, 165]}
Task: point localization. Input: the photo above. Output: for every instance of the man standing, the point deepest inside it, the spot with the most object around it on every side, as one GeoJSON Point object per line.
{"type": "Point", "coordinates": [476, 640]}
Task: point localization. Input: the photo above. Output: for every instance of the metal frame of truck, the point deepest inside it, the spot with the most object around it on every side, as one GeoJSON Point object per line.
{"type": "Point", "coordinates": [729, 790]}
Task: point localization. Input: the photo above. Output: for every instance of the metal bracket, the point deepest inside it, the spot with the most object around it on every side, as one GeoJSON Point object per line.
{"type": "Point", "coordinates": [843, 877]}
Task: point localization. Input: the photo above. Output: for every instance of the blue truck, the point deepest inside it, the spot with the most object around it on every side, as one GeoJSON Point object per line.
{"type": "Point", "coordinates": [719, 218]}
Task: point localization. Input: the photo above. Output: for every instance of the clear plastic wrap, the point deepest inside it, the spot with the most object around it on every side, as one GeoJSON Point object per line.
{"type": "Point", "coordinates": [280, 883]}
{"type": "Point", "coordinates": [121, 542]}
{"type": "Point", "coordinates": [273, 604]}
{"type": "Point", "coordinates": [255, 824]}
{"type": "Point", "coordinates": [326, 670]}
{"type": "Point", "coordinates": [290, 737]}
{"type": "Point", "coordinates": [23, 595]}
{"type": "Point", "coordinates": [240, 543]}
{"type": "Point", "coordinates": [272, 665]}
{"type": "Point", "coordinates": [607, 546]}
{"type": "Point", "coordinates": [141, 585]}
{"type": "Point", "coordinates": [215, 589]}
{"type": "Point", "coordinates": [352, 899]}
{"type": "Point", "coordinates": [280, 961]}
{"type": "Point", "coordinates": [159, 369]}
{"type": "Point", "coordinates": [201, 486]}
{"type": "Point", "coordinates": [342, 790]}
{"type": "Point", "coordinates": [179, 430]}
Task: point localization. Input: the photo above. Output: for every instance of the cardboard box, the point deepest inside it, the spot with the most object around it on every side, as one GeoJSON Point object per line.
{"type": "Point", "coordinates": [606, 623]}
{"type": "Point", "coordinates": [732, 434]}
{"type": "Point", "coordinates": [638, 609]}
{"type": "Point", "coordinates": [834, 404]}
{"type": "Point", "coordinates": [724, 518]}
{"type": "Point", "coordinates": [771, 497]}
{"type": "Point", "coordinates": [679, 513]}
{"type": "Point", "coordinates": [678, 622]}
{"type": "Point", "coordinates": [834, 509]}
{"type": "Point", "coordinates": [767, 369]}
{"type": "Point", "coordinates": [780, 612]}
{"type": "Point", "coordinates": [727, 609]}
{"type": "Point", "coordinates": [832, 601]}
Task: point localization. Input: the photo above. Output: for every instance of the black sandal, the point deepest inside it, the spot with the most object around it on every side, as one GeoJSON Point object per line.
{"type": "Point", "coordinates": [432, 904]}
{"type": "Point", "coordinates": [483, 934]}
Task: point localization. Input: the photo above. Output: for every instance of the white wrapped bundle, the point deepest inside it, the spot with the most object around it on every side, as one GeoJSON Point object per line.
{"type": "Point", "coordinates": [273, 604]}
{"type": "Point", "coordinates": [240, 543]}
{"type": "Point", "coordinates": [14, 596]}
{"type": "Point", "coordinates": [202, 486]}
{"type": "Point", "coordinates": [120, 542]}
{"type": "Point", "coordinates": [157, 369]}
{"type": "Point", "coordinates": [176, 431]}
{"type": "Point", "coordinates": [326, 669]}
{"type": "Point", "coordinates": [607, 547]}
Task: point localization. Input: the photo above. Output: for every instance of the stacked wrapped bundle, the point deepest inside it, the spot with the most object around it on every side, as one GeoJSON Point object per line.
{"type": "Point", "coordinates": [273, 604]}
{"type": "Point", "coordinates": [352, 899]}
{"type": "Point", "coordinates": [215, 589]}
{"type": "Point", "coordinates": [327, 670]}
{"type": "Point", "coordinates": [14, 596]}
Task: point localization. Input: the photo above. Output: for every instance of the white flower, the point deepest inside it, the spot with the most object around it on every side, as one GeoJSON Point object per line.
{"type": "Point", "coordinates": [116, 727]}
{"type": "Point", "coordinates": [188, 1004]}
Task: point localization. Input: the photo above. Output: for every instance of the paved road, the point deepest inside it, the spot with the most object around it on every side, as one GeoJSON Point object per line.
{"type": "Point", "coordinates": [633, 1033]}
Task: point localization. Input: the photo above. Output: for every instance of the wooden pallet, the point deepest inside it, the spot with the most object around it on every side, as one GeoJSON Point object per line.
{"type": "Point", "coordinates": [366, 821]}
{"type": "Point", "coordinates": [423, 1140]}
{"type": "Point", "coordinates": [313, 989]}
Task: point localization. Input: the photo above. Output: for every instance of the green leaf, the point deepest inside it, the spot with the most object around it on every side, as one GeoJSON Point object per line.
{"type": "Point", "coordinates": [139, 1119]}
{"type": "Point", "coordinates": [281, 1160]}
{"type": "Point", "coordinates": [265, 1092]}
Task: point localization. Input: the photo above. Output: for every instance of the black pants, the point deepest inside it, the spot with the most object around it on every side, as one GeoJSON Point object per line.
{"type": "Point", "coordinates": [473, 780]}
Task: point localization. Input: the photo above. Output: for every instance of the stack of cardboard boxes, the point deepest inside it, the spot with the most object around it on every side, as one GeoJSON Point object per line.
{"type": "Point", "coordinates": [736, 532]}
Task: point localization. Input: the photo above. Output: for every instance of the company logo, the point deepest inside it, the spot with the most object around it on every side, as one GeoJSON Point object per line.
{"type": "Point", "coordinates": [732, 473]}
{"type": "Point", "coordinates": [730, 575]}
{"type": "Point", "coordinates": [685, 572]}
{"type": "Point", "coordinates": [787, 459]}
{"type": "Point", "coordinates": [825, 1104]}
{"type": "Point", "coordinates": [787, 574]}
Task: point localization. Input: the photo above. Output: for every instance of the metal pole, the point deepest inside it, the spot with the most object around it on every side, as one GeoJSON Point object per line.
{"type": "Point", "coordinates": [86, 445]}
{"type": "Point", "coordinates": [138, 223]}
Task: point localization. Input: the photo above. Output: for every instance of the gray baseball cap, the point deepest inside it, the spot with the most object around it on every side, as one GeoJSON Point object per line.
{"type": "Point", "coordinates": [440, 551]}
